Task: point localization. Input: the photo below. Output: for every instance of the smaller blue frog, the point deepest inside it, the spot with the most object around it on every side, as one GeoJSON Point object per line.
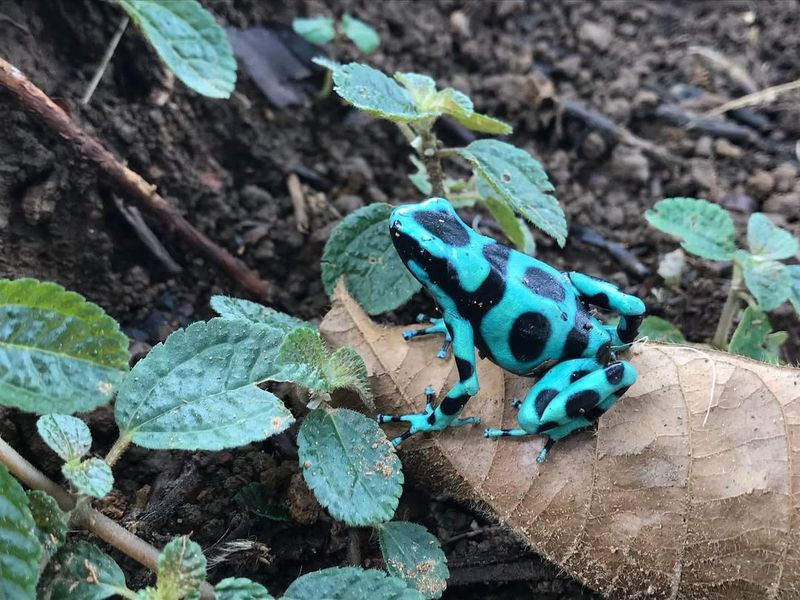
{"type": "Point", "coordinates": [520, 313]}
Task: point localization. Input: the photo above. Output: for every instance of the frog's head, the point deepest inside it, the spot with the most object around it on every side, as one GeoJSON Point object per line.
{"type": "Point", "coordinates": [427, 231]}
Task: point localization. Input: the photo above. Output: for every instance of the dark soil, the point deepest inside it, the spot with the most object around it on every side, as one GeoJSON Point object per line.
{"type": "Point", "coordinates": [225, 165]}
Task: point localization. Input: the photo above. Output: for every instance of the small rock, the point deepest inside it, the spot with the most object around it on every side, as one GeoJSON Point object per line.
{"type": "Point", "coordinates": [614, 216]}
{"type": "Point", "coordinates": [787, 205]}
{"type": "Point", "coordinates": [348, 203]}
{"type": "Point", "coordinates": [594, 146]}
{"type": "Point", "coordinates": [742, 203]}
{"type": "Point", "coordinates": [595, 34]}
{"type": "Point", "coordinates": [459, 23]}
{"type": "Point", "coordinates": [723, 147]}
{"type": "Point", "coordinates": [645, 99]}
{"type": "Point", "coordinates": [703, 173]}
{"type": "Point", "coordinates": [629, 164]}
{"type": "Point", "coordinates": [703, 147]}
{"type": "Point", "coordinates": [785, 177]}
{"type": "Point", "coordinates": [619, 109]}
{"type": "Point", "coordinates": [570, 66]}
{"type": "Point", "coordinates": [761, 183]}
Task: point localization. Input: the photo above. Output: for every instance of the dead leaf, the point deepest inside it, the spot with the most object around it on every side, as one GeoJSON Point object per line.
{"type": "Point", "coordinates": [653, 504]}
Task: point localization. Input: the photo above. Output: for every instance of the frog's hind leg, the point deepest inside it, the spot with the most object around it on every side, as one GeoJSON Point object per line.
{"type": "Point", "coordinates": [606, 295]}
{"type": "Point", "coordinates": [437, 325]}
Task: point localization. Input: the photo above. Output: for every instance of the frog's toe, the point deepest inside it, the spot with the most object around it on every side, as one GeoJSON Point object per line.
{"type": "Point", "coordinates": [516, 403]}
{"type": "Point", "coordinates": [442, 354]}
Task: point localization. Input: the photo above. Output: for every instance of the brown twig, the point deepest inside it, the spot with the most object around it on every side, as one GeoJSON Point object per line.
{"type": "Point", "coordinates": [128, 182]}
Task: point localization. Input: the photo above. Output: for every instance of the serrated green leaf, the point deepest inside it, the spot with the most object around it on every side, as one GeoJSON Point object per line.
{"type": "Point", "coordinates": [197, 390]}
{"type": "Point", "coordinates": [456, 104]}
{"type": "Point", "coordinates": [81, 571]}
{"type": "Point", "coordinates": [256, 498]}
{"type": "Point", "coordinates": [238, 309]}
{"type": "Point", "coordinates": [349, 583]}
{"type": "Point", "coordinates": [303, 359]}
{"type": "Point", "coordinates": [19, 548]}
{"type": "Point", "coordinates": [360, 249]}
{"type": "Point", "coordinates": [189, 41]}
{"type": "Point", "coordinates": [420, 178]}
{"type": "Point", "coordinates": [657, 329]}
{"type": "Point", "coordinates": [350, 465]}
{"type": "Point", "coordinates": [317, 30]}
{"type": "Point", "coordinates": [58, 352]}
{"type": "Point", "coordinates": [421, 88]}
{"type": "Point", "coordinates": [51, 523]}
{"type": "Point", "coordinates": [240, 588]}
{"type": "Point", "coordinates": [705, 228]}
{"type": "Point", "coordinates": [754, 337]}
{"type": "Point", "coordinates": [412, 554]}
{"type": "Point", "coordinates": [362, 35]}
{"type": "Point", "coordinates": [93, 476]}
{"type": "Point", "coordinates": [767, 240]}
{"type": "Point", "coordinates": [181, 569]}
{"type": "Point", "coordinates": [767, 280]}
{"type": "Point", "coordinates": [67, 436]}
{"type": "Point", "coordinates": [794, 286]}
{"type": "Point", "coordinates": [373, 92]}
{"type": "Point", "coordinates": [520, 181]}
{"type": "Point", "coordinates": [484, 124]}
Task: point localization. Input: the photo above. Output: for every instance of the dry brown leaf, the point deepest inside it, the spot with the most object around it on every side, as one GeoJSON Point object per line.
{"type": "Point", "coordinates": [653, 504]}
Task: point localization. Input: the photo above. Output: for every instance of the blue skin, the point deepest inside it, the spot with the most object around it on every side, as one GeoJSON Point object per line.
{"type": "Point", "coordinates": [522, 314]}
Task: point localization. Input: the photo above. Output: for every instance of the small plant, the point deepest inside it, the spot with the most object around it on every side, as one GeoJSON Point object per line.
{"type": "Point", "coordinates": [198, 390]}
{"type": "Point", "coordinates": [507, 180]}
{"type": "Point", "coordinates": [323, 30]}
{"type": "Point", "coordinates": [759, 279]}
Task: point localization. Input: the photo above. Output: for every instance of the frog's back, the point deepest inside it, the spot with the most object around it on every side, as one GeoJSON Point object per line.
{"type": "Point", "coordinates": [538, 318]}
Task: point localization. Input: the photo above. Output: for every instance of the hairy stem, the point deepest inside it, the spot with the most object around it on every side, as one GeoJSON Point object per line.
{"type": "Point", "coordinates": [729, 310]}
{"type": "Point", "coordinates": [432, 160]}
{"type": "Point", "coordinates": [127, 182]}
{"type": "Point", "coordinates": [84, 516]}
{"type": "Point", "coordinates": [101, 69]}
{"type": "Point", "coordinates": [117, 450]}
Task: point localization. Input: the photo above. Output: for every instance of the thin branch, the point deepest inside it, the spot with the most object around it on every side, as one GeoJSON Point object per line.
{"type": "Point", "coordinates": [84, 516]}
{"type": "Point", "coordinates": [729, 310]}
{"type": "Point", "coordinates": [101, 68]}
{"type": "Point", "coordinates": [766, 95]}
{"type": "Point", "coordinates": [128, 182]}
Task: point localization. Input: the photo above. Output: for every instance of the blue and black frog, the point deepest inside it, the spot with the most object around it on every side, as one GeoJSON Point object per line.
{"type": "Point", "coordinates": [520, 313]}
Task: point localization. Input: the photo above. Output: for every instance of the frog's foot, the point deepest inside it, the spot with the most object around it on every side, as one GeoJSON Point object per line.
{"type": "Point", "coordinates": [436, 326]}
{"type": "Point", "coordinates": [516, 403]}
{"type": "Point", "coordinates": [490, 433]}
{"type": "Point", "coordinates": [543, 454]}
{"type": "Point", "coordinates": [425, 421]}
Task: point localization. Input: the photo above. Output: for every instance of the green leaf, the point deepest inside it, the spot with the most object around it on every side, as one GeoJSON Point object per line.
{"type": "Point", "coordinates": [51, 523]}
{"type": "Point", "coordinates": [58, 352]}
{"type": "Point", "coordinates": [507, 220]}
{"type": "Point", "coordinates": [189, 41]}
{"type": "Point", "coordinates": [303, 359]}
{"type": "Point", "coordinates": [484, 124]}
{"type": "Point", "coordinates": [705, 228]}
{"type": "Point", "coordinates": [519, 181]}
{"type": "Point", "coordinates": [456, 104]}
{"type": "Point", "coordinates": [67, 436]}
{"type": "Point", "coordinates": [349, 583]}
{"type": "Point", "coordinates": [240, 588]}
{"type": "Point", "coordinates": [93, 476]}
{"type": "Point", "coordinates": [373, 92]}
{"type": "Point", "coordinates": [412, 554]}
{"type": "Point", "coordinates": [767, 280]}
{"type": "Point", "coordinates": [362, 35]}
{"type": "Point", "coordinates": [256, 498]}
{"type": "Point", "coordinates": [767, 240]}
{"type": "Point", "coordinates": [360, 249]}
{"type": "Point", "coordinates": [181, 569]}
{"type": "Point", "coordinates": [350, 465]}
{"type": "Point", "coordinates": [238, 309]}
{"type": "Point", "coordinates": [794, 291]}
{"type": "Point", "coordinates": [19, 546]}
{"type": "Point", "coordinates": [197, 390]}
{"type": "Point", "coordinates": [317, 30]}
{"type": "Point", "coordinates": [420, 178]}
{"type": "Point", "coordinates": [81, 571]}
{"type": "Point", "coordinates": [657, 329]}
{"type": "Point", "coordinates": [754, 337]}
{"type": "Point", "coordinates": [422, 89]}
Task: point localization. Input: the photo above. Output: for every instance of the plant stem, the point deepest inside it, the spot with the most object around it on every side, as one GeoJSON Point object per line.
{"type": "Point", "coordinates": [117, 450]}
{"type": "Point", "coordinates": [433, 163]}
{"type": "Point", "coordinates": [101, 69]}
{"type": "Point", "coordinates": [729, 310]}
{"type": "Point", "coordinates": [84, 516]}
{"type": "Point", "coordinates": [407, 132]}
{"type": "Point", "coordinates": [448, 152]}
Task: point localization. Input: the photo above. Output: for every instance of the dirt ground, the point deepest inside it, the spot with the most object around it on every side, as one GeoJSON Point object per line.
{"type": "Point", "coordinates": [553, 70]}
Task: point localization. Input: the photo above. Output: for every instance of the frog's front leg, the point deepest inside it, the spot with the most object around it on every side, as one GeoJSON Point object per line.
{"type": "Point", "coordinates": [436, 326]}
{"type": "Point", "coordinates": [568, 397]}
{"type": "Point", "coordinates": [446, 414]}
{"type": "Point", "coordinates": [606, 295]}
